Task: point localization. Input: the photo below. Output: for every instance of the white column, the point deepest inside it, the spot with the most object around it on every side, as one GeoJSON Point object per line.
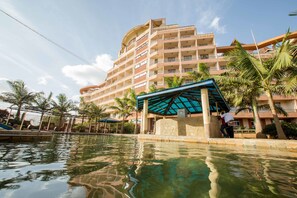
{"type": "Point", "coordinates": [205, 111]}
{"type": "Point", "coordinates": [144, 122]}
{"type": "Point", "coordinates": [23, 119]}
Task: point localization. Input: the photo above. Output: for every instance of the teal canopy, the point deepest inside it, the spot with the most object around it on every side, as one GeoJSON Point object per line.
{"type": "Point", "coordinates": [168, 101]}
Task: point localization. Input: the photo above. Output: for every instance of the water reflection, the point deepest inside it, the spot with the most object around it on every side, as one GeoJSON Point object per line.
{"type": "Point", "coordinates": [104, 166]}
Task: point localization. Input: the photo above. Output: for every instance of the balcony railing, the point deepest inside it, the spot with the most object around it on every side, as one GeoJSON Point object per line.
{"type": "Point", "coordinates": [170, 38]}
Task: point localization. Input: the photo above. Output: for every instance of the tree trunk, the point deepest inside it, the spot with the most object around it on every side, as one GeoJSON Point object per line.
{"type": "Point", "coordinates": [60, 122]}
{"type": "Point", "coordinates": [48, 122]}
{"type": "Point", "coordinates": [90, 125]}
{"type": "Point", "coordinates": [83, 119]}
{"type": "Point", "coordinates": [18, 113]}
{"type": "Point", "coordinates": [96, 125]}
{"type": "Point", "coordinates": [280, 132]}
{"type": "Point", "coordinates": [257, 122]}
{"type": "Point", "coordinates": [136, 121]}
{"type": "Point", "coordinates": [40, 121]}
{"type": "Point", "coordinates": [122, 127]}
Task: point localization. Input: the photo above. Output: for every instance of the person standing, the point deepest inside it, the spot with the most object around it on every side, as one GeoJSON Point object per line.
{"type": "Point", "coordinates": [227, 117]}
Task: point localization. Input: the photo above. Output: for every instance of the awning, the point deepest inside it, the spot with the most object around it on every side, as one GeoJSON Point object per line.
{"type": "Point", "coordinates": [168, 101]}
{"type": "Point", "coordinates": [109, 120]}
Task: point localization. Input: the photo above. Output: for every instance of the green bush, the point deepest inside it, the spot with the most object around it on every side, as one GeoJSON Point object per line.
{"type": "Point", "coordinates": [290, 130]}
{"type": "Point", "coordinates": [129, 127]}
{"type": "Point", "coordinates": [80, 127]}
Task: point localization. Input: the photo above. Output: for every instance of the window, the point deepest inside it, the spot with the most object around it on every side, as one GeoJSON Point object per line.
{"type": "Point", "coordinates": [204, 56]}
{"type": "Point", "coordinates": [141, 46]}
{"type": "Point", "coordinates": [140, 64]}
{"type": "Point", "coordinates": [141, 54]}
{"type": "Point", "coordinates": [140, 85]}
{"type": "Point", "coordinates": [171, 59]}
{"type": "Point", "coordinates": [140, 75]}
{"type": "Point", "coordinates": [188, 69]}
{"type": "Point", "coordinates": [171, 71]}
{"type": "Point", "coordinates": [188, 57]}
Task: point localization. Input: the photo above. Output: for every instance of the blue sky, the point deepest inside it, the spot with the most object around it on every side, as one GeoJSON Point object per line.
{"type": "Point", "coordinates": [93, 29]}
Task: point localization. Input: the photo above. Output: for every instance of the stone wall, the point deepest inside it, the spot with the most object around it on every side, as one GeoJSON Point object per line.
{"type": "Point", "coordinates": [190, 126]}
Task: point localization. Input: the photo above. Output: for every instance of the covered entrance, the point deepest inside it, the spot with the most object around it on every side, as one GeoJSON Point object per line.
{"type": "Point", "coordinates": [203, 97]}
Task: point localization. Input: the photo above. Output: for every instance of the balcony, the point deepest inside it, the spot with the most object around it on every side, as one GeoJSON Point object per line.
{"type": "Point", "coordinates": [205, 47]}
{"type": "Point", "coordinates": [171, 49]}
{"type": "Point", "coordinates": [203, 36]}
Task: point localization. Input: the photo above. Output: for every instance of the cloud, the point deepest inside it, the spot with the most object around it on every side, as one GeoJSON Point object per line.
{"type": "Point", "coordinates": [3, 85]}
{"type": "Point", "coordinates": [215, 25]}
{"type": "Point", "coordinates": [209, 16]}
{"type": "Point", "coordinates": [64, 86]}
{"type": "Point", "coordinates": [43, 80]}
{"type": "Point", "coordinates": [89, 74]}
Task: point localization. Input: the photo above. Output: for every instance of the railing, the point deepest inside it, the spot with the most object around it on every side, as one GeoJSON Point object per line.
{"type": "Point", "coordinates": [154, 42]}
{"type": "Point", "coordinates": [193, 58]}
{"type": "Point", "coordinates": [171, 60]}
{"type": "Point", "coordinates": [205, 35]}
{"type": "Point", "coordinates": [188, 46]}
{"type": "Point", "coordinates": [186, 36]}
{"type": "Point", "coordinates": [170, 38]}
{"type": "Point", "coordinates": [171, 48]}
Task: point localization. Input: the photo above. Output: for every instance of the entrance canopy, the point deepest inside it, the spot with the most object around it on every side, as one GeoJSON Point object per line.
{"type": "Point", "coordinates": [168, 101]}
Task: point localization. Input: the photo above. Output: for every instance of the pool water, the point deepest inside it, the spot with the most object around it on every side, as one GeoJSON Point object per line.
{"type": "Point", "coordinates": [108, 166]}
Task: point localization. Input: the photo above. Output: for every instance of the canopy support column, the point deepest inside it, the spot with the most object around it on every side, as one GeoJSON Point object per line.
{"type": "Point", "coordinates": [144, 123]}
{"type": "Point", "coordinates": [23, 119]}
{"type": "Point", "coordinates": [205, 112]}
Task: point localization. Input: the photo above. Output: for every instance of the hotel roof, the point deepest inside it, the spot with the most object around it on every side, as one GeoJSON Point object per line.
{"type": "Point", "coordinates": [168, 101]}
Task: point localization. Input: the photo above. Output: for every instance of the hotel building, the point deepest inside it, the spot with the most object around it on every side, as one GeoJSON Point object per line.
{"type": "Point", "coordinates": [154, 50]}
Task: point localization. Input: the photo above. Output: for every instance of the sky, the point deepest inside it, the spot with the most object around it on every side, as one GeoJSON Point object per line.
{"type": "Point", "coordinates": [93, 30]}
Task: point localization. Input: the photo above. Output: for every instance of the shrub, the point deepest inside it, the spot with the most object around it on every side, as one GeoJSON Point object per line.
{"type": "Point", "coordinates": [290, 130]}
{"type": "Point", "coordinates": [129, 127]}
{"type": "Point", "coordinates": [80, 127]}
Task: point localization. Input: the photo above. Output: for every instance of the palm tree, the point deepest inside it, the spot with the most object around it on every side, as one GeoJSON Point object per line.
{"type": "Point", "coordinates": [242, 93]}
{"type": "Point", "coordinates": [43, 104]}
{"type": "Point", "coordinates": [83, 109]}
{"type": "Point", "coordinates": [270, 73]}
{"type": "Point", "coordinates": [174, 81]}
{"type": "Point", "coordinates": [152, 89]}
{"type": "Point", "coordinates": [62, 106]}
{"type": "Point", "coordinates": [95, 113]}
{"type": "Point", "coordinates": [202, 73]}
{"type": "Point", "coordinates": [18, 96]}
{"type": "Point", "coordinates": [132, 103]}
{"type": "Point", "coordinates": [122, 108]}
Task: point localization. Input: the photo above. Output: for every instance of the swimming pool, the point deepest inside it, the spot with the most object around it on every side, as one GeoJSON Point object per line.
{"type": "Point", "coordinates": [108, 166]}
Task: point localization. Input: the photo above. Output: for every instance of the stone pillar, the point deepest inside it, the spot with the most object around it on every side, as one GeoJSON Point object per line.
{"type": "Point", "coordinates": [23, 119]}
{"type": "Point", "coordinates": [48, 123]}
{"type": "Point", "coordinates": [205, 112]}
{"type": "Point", "coordinates": [144, 122]}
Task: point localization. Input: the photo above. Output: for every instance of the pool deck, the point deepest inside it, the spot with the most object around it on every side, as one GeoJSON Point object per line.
{"type": "Point", "coordinates": [256, 143]}
{"type": "Point", "coordinates": [26, 135]}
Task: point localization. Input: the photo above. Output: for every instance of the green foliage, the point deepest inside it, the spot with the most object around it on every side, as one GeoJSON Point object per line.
{"type": "Point", "coordinates": [18, 96]}
{"type": "Point", "coordinates": [290, 130]}
{"type": "Point", "coordinates": [174, 81]}
{"type": "Point", "coordinates": [80, 127]}
{"type": "Point", "coordinates": [129, 127]}
{"type": "Point", "coordinates": [62, 106]}
{"type": "Point", "coordinates": [202, 73]}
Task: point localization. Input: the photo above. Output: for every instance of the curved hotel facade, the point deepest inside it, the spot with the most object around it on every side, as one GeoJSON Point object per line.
{"type": "Point", "coordinates": [154, 50]}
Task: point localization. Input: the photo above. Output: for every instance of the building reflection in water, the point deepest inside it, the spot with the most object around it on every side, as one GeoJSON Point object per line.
{"type": "Point", "coordinates": [121, 167]}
